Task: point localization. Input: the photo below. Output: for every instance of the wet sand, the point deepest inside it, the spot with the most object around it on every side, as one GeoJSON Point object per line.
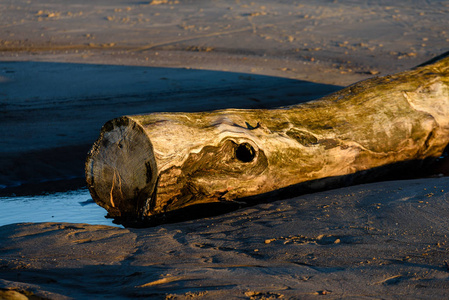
{"type": "Point", "coordinates": [67, 69]}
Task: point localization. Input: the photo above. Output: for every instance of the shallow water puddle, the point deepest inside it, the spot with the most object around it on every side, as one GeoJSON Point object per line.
{"type": "Point", "coordinates": [73, 206]}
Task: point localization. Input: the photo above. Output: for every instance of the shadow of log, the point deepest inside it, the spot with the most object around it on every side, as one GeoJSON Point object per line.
{"type": "Point", "coordinates": [51, 112]}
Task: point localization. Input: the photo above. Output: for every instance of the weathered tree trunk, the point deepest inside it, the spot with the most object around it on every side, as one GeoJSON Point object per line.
{"type": "Point", "coordinates": [151, 164]}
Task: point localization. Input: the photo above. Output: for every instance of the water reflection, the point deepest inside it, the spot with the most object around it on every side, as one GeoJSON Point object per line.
{"type": "Point", "coordinates": [74, 207]}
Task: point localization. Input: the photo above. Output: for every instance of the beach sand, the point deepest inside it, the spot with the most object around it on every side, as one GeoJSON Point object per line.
{"type": "Point", "coordinates": [384, 240]}
{"type": "Point", "coordinates": [66, 69]}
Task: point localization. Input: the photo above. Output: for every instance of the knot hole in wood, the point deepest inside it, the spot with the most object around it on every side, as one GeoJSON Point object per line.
{"type": "Point", "coordinates": [245, 153]}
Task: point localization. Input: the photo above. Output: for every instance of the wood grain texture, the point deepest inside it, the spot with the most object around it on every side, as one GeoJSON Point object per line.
{"type": "Point", "coordinates": [151, 164]}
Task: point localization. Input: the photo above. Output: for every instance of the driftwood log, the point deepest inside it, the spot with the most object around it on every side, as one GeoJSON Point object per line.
{"type": "Point", "coordinates": [151, 164]}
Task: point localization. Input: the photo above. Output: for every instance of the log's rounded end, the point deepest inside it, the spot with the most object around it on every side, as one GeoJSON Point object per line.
{"type": "Point", "coordinates": [121, 170]}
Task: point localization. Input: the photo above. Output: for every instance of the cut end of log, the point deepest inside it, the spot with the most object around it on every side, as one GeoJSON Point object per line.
{"type": "Point", "coordinates": [121, 170]}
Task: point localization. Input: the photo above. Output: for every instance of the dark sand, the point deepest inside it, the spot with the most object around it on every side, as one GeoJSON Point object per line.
{"type": "Point", "coordinates": [65, 69]}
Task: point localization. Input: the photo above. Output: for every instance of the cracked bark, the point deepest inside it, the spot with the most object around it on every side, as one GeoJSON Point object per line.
{"type": "Point", "coordinates": [151, 164]}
